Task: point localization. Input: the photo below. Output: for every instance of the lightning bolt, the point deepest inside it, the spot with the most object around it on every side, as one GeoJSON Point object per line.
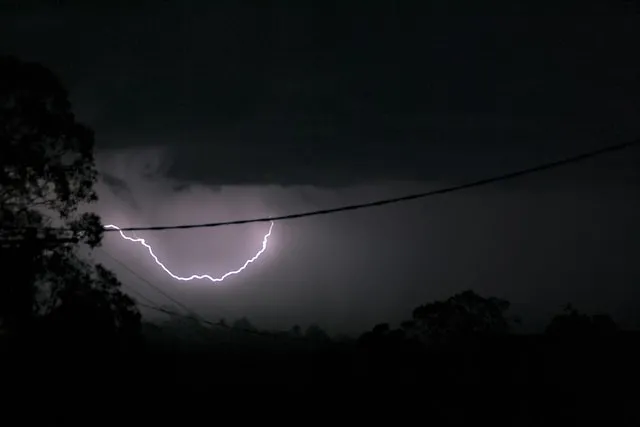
{"type": "Point", "coordinates": [265, 241]}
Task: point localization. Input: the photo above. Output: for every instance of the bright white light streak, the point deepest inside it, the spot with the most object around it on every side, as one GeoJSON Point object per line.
{"type": "Point", "coordinates": [265, 241]}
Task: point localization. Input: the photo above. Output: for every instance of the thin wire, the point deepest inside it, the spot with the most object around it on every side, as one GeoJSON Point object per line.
{"type": "Point", "coordinates": [156, 288]}
{"type": "Point", "coordinates": [138, 294]}
{"type": "Point", "coordinates": [199, 337]}
{"type": "Point", "coordinates": [478, 183]}
{"type": "Point", "coordinates": [219, 324]}
{"type": "Point", "coordinates": [175, 313]}
{"type": "Point", "coordinates": [191, 314]}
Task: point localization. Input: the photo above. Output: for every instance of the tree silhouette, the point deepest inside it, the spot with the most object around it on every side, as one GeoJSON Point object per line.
{"type": "Point", "coordinates": [464, 314]}
{"type": "Point", "coordinates": [47, 157]}
{"type": "Point", "coordinates": [295, 331]}
{"type": "Point", "coordinates": [382, 336]}
{"type": "Point", "coordinates": [47, 174]}
{"type": "Point", "coordinates": [573, 323]}
{"type": "Point", "coordinates": [95, 310]}
{"type": "Point", "coordinates": [315, 333]}
{"type": "Point", "coordinates": [243, 324]}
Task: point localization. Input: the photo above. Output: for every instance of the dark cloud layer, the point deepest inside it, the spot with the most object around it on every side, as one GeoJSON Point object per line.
{"type": "Point", "coordinates": [540, 247]}
{"type": "Point", "coordinates": [331, 93]}
{"type": "Point", "coordinates": [218, 110]}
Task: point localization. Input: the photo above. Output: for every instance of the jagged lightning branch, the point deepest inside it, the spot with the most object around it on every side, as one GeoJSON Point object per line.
{"type": "Point", "coordinates": [265, 241]}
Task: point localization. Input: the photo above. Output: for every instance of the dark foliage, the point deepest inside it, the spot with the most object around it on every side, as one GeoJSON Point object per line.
{"type": "Point", "coordinates": [83, 329]}
{"type": "Point", "coordinates": [463, 315]}
{"type": "Point", "coordinates": [50, 298]}
{"type": "Point", "coordinates": [572, 323]}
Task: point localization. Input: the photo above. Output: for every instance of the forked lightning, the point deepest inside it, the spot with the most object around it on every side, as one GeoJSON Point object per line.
{"type": "Point", "coordinates": [265, 241]}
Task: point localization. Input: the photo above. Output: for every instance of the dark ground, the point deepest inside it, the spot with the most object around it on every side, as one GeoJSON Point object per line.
{"type": "Point", "coordinates": [507, 380]}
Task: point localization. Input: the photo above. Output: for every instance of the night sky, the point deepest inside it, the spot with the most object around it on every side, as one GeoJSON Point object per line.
{"type": "Point", "coordinates": [219, 110]}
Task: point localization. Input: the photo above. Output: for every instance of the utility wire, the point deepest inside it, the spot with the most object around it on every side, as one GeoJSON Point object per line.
{"type": "Point", "coordinates": [156, 288]}
{"type": "Point", "coordinates": [218, 324]}
{"type": "Point", "coordinates": [191, 314]}
{"type": "Point", "coordinates": [138, 294]}
{"type": "Point", "coordinates": [478, 183]}
{"type": "Point", "coordinates": [175, 313]}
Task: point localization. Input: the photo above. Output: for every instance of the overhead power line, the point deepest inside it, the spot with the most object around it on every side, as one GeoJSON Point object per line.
{"type": "Point", "coordinates": [192, 316]}
{"type": "Point", "coordinates": [157, 289]}
{"type": "Point", "coordinates": [190, 313]}
{"type": "Point", "coordinates": [221, 324]}
{"type": "Point", "coordinates": [478, 183]}
{"type": "Point", "coordinates": [173, 313]}
{"type": "Point", "coordinates": [139, 295]}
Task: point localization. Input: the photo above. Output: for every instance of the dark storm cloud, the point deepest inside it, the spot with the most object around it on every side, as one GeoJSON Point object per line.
{"type": "Point", "coordinates": [190, 99]}
{"type": "Point", "coordinates": [540, 247]}
{"type": "Point", "coordinates": [341, 93]}
{"type": "Point", "coordinates": [119, 187]}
